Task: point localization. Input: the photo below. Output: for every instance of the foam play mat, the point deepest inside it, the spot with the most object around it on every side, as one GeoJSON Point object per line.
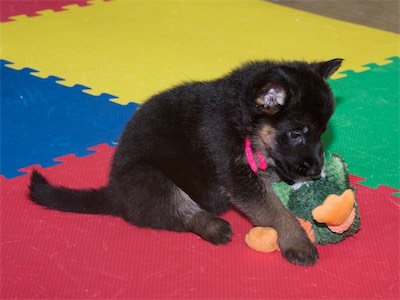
{"type": "Point", "coordinates": [74, 72]}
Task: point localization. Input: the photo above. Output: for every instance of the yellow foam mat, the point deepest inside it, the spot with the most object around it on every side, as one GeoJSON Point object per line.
{"type": "Point", "coordinates": [133, 49]}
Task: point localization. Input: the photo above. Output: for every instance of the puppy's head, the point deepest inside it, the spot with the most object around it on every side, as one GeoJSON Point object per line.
{"type": "Point", "coordinates": [294, 104]}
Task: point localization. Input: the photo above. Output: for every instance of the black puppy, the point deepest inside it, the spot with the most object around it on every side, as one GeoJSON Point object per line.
{"type": "Point", "coordinates": [194, 150]}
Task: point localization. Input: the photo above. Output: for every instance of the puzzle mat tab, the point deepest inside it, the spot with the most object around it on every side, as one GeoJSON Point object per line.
{"type": "Point", "coordinates": [49, 254]}
{"type": "Point", "coordinates": [12, 8]}
{"type": "Point", "coordinates": [42, 120]}
{"type": "Point", "coordinates": [133, 49]}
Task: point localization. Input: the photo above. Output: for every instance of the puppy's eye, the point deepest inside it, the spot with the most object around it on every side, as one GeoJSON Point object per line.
{"type": "Point", "coordinates": [295, 134]}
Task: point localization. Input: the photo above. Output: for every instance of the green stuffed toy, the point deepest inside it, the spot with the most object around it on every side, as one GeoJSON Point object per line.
{"type": "Point", "coordinates": [326, 208]}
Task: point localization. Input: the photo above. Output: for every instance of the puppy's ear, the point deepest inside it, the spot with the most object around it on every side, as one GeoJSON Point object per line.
{"type": "Point", "coordinates": [326, 69]}
{"type": "Point", "coordinates": [271, 99]}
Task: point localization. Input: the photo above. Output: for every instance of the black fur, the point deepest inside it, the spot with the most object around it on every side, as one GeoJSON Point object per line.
{"type": "Point", "coordinates": [180, 161]}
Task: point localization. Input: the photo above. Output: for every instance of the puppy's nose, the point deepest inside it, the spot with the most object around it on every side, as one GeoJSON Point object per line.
{"type": "Point", "coordinates": [311, 170]}
{"type": "Point", "coordinates": [315, 177]}
{"type": "Point", "coordinates": [314, 171]}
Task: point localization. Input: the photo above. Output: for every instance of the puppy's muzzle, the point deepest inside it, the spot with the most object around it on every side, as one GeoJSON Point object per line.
{"type": "Point", "coordinates": [312, 171]}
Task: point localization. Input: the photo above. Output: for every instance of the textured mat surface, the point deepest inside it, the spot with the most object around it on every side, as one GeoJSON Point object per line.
{"type": "Point", "coordinates": [30, 8]}
{"type": "Point", "coordinates": [54, 61]}
{"type": "Point", "coordinates": [133, 49]}
{"type": "Point", "coordinates": [365, 128]}
{"type": "Point", "coordinates": [48, 254]}
{"type": "Point", "coordinates": [43, 120]}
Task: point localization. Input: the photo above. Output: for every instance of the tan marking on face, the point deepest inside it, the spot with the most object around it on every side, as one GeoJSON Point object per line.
{"type": "Point", "coordinates": [263, 141]}
{"type": "Point", "coordinates": [267, 135]}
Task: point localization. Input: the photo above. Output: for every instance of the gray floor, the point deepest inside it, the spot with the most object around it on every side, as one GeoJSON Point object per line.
{"type": "Point", "coordinates": [381, 14]}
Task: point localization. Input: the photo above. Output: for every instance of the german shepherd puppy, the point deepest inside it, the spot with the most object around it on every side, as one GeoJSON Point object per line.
{"type": "Point", "coordinates": [191, 152]}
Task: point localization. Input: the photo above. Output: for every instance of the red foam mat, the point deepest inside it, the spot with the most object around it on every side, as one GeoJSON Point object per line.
{"type": "Point", "coordinates": [49, 254]}
{"type": "Point", "coordinates": [10, 8]}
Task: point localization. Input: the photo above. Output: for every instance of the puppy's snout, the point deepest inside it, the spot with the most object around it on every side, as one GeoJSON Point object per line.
{"type": "Point", "coordinates": [310, 170]}
{"type": "Point", "coordinates": [315, 175]}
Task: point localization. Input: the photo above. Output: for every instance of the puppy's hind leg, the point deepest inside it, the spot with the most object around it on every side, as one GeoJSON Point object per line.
{"type": "Point", "coordinates": [201, 222]}
{"type": "Point", "coordinates": [151, 199]}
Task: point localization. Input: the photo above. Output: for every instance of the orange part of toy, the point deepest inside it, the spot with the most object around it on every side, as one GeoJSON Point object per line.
{"type": "Point", "coordinates": [265, 239]}
{"type": "Point", "coordinates": [308, 228]}
{"type": "Point", "coordinates": [345, 225]}
{"type": "Point", "coordinates": [262, 239]}
{"type": "Point", "coordinates": [335, 210]}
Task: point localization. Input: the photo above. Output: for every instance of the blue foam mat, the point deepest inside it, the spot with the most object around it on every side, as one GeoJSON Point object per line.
{"type": "Point", "coordinates": [42, 120]}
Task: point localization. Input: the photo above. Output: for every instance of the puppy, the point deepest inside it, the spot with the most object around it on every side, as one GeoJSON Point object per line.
{"type": "Point", "coordinates": [191, 152]}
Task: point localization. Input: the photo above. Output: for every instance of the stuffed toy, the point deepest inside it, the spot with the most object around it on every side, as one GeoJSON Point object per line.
{"type": "Point", "coordinates": [326, 208]}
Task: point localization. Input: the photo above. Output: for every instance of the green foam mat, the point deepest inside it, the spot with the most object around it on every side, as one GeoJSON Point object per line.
{"type": "Point", "coordinates": [365, 126]}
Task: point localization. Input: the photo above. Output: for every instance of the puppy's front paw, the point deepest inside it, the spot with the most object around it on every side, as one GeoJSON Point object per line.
{"type": "Point", "coordinates": [301, 252]}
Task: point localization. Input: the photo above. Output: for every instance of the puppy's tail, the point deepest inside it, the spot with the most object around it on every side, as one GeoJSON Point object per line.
{"type": "Point", "coordinates": [93, 201]}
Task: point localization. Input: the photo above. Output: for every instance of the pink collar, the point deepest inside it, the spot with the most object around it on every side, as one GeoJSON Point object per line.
{"type": "Point", "coordinates": [262, 163]}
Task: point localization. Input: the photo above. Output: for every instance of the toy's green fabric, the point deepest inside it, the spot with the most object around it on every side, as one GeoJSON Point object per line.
{"type": "Point", "coordinates": [301, 199]}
